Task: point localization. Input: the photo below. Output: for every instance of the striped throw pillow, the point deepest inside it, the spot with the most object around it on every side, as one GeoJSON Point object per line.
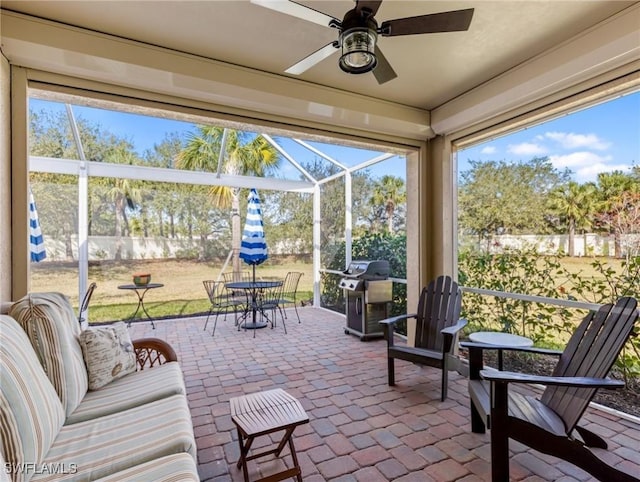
{"type": "Point", "coordinates": [53, 329]}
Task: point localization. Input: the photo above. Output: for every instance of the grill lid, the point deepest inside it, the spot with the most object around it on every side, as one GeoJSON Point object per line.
{"type": "Point", "coordinates": [368, 270]}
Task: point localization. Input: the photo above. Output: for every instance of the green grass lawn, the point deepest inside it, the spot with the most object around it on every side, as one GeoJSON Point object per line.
{"type": "Point", "coordinates": [183, 292]}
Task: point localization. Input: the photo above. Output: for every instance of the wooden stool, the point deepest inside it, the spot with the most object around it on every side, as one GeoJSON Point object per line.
{"type": "Point", "coordinates": [263, 413]}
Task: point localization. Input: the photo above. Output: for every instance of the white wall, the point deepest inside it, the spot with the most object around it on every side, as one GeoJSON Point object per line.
{"type": "Point", "coordinates": [104, 248]}
{"type": "Point", "coordinates": [585, 245]}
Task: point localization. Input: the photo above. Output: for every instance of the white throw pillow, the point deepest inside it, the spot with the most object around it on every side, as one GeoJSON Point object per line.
{"type": "Point", "coordinates": [108, 353]}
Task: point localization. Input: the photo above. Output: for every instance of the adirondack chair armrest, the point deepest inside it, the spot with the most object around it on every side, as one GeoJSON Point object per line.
{"type": "Point", "coordinates": [454, 329]}
{"type": "Point", "coordinates": [388, 325]}
{"type": "Point", "coordinates": [450, 333]}
{"type": "Point", "coordinates": [394, 319]}
{"type": "Point", "coordinates": [579, 382]}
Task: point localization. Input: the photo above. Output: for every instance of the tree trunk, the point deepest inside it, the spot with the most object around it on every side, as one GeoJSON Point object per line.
{"type": "Point", "coordinates": [236, 232]}
{"type": "Point", "coordinates": [572, 235]}
{"type": "Point", "coordinates": [617, 244]}
{"type": "Point", "coordinates": [68, 244]}
{"type": "Point", "coordinates": [118, 229]}
{"type": "Point", "coordinates": [203, 247]}
{"type": "Point", "coordinates": [390, 219]}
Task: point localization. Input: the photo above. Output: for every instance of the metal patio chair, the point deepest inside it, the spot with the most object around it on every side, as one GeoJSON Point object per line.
{"type": "Point", "coordinates": [269, 303]}
{"type": "Point", "coordinates": [83, 311]}
{"type": "Point", "coordinates": [289, 292]}
{"type": "Point", "coordinates": [238, 295]}
{"type": "Point", "coordinates": [221, 302]}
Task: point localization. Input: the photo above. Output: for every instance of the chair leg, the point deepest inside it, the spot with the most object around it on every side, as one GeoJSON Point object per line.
{"type": "Point", "coordinates": [215, 323]}
{"type": "Point", "coordinates": [284, 324]}
{"type": "Point", "coordinates": [391, 371]}
{"type": "Point", "coordinates": [499, 434]}
{"type": "Point", "coordinates": [283, 313]}
{"type": "Point", "coordinates": [477, 424]}
{"type": "Point", "coordinates": [207, 322]}
{"type": "Point", "coordinates": [445, 376]}
{"type": "Point", "coordinates": [295, 306]}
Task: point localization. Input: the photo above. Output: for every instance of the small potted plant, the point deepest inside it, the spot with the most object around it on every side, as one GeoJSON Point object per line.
{"type": "Point", "coordinates": [141, 279]}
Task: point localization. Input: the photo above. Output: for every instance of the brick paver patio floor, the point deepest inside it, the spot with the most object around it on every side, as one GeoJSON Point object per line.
{"type": "Point", "coordinates": [360, 429]}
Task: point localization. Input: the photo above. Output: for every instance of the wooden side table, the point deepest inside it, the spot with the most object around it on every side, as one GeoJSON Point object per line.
{"type": "Point", "coordinates": [263, 413]}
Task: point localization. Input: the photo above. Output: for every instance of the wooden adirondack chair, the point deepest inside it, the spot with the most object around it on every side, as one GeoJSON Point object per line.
{"type": "Point", "coordinates": [437, 325]}
{"type": "Point", "coordinates": [549, 425]}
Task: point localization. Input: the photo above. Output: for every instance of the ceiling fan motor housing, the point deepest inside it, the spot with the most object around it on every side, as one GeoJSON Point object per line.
{"type": "Point", "coordinates": [358, 36]}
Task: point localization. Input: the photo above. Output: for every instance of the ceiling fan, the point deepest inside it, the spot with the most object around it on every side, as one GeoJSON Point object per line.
{"type": "Point", "coordinates": [358, 33]}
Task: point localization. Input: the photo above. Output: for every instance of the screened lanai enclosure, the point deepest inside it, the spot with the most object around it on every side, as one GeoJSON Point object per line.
{"type": "Point", "coordinates": [122, 190]}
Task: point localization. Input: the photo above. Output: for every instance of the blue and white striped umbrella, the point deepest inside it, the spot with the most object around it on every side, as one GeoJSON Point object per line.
{"type": "Point", "coordinates": [36, 242]}
{"type": "Point", "coordinates": [253, 249]}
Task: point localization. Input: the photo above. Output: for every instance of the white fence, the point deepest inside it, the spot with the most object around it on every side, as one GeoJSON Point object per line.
{"type": "Point", "coordinates": [104, 248]}
{"type": "Point", "coordinates": [584, 244]}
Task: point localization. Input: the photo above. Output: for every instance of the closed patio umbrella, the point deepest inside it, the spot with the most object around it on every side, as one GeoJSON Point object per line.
{"type": "Point", "coordinates": [36, 242]}
{"type": "Point", "coordinates": [253, 248]}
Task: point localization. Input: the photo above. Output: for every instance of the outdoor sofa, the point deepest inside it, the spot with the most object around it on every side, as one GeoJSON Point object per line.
{"type": "Point", "coordinates": [134, 425]}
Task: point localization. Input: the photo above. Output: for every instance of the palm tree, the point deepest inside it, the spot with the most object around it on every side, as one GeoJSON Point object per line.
{"type": "Point", "coordinates": [389, 191]}
{"type": "Point", "coordinates": [573, 202]}
{"type": "Point", "coordinates": [245, 154]}
{"type": "Point", "coordinates": [124, 194]}
{"type": "Point", "coordinates": [612, 187]}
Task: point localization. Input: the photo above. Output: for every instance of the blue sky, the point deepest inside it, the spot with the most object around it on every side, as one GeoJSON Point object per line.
{"type": "Point", "coordinates": [601, 138]}
{"type": "Point", "coordinates": [143, 132]}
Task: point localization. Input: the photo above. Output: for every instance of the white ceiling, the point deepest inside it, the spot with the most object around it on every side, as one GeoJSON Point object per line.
{"type": "Point", "coordinates": [432, 69]}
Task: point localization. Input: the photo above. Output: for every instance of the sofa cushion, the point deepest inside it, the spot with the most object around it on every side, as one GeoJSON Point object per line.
{"type": "Point", "coordinates": [131, 391]}
{"type": "Point", "coordinates": [53, 329]}
{"type": "Point", "coordinates": [108, 354]}
{"type": "Point", "coordinates": [31, 414]}
{"type": "Point", "coordinates": [172, 468]}
{"type": "Point", "coordinates": [106, 445]}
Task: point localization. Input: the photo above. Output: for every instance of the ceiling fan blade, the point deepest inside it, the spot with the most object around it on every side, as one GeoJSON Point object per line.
{"type": "Point", "coordinates": [371, 5]}
{"type": "Point", "coordinates": [454, 21]}
{"type": "Point", "coordinates": [383, 71]}
{"type": "Point", "coordinates": [311, 60]}
{"type": "Point", "coordinates": [297, 10]}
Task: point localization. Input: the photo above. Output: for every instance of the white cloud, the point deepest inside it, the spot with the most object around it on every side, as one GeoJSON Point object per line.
{"type": "Point", "coordinates": [587, 165]}
{"type": "Point", "coordinates": [489, 150]}
{"type": "Point", "coordinates": [569, 140]}
{"type": "Point", "coordinates": [526, 148]}
{"type": "Point", "coordinates": [578, 160]}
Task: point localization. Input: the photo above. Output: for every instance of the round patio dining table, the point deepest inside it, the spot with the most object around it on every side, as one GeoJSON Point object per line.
{"type": "Point", "coordinates": [253, 288]}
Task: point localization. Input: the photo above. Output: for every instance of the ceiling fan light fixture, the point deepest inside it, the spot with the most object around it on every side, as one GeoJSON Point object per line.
{"type": "Point", "coordinates": [358, 50]}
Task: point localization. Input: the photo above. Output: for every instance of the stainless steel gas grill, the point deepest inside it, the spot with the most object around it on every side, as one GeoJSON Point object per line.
{"type": "Point", "coordinates": [367, 293]}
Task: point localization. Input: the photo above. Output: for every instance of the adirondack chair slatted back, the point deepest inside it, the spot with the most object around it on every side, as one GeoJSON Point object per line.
{"type": "Point", "coordinates": [591, 352]}
{"type": "Point", "coordinates": [439, 307]}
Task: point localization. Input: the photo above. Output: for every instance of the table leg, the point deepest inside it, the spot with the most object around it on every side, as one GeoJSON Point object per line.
{"type": "Point", "coordinates": [145, 311]}
{"type": "Point", "coordinates": [244, 452]}
{"type": "Point", "coordinates": [141, 306]}
{"type": "Point", "coordinates": [132, 317]}
{"type": "Point", "coordinates": [294, 456]}
{"type": "Point", "coordinates": [254, 325]}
